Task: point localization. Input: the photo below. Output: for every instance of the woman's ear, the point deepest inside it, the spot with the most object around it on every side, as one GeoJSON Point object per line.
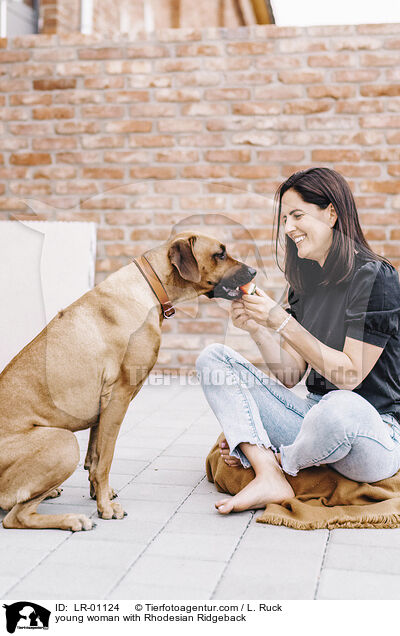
{"type": "Point", "coordinates": [332, 215]}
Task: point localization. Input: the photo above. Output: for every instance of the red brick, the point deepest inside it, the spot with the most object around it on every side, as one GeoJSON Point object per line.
{"type": "Point", "coordinates": [128, 156]}
{"type": "Point", "coordinates": [249, 48]}
{"type": "Point", "coordinates": [201, 326]}
{"type": "Point", "coordinates": [89, 217]}
{"type": "Point", "coordinates": [152, 110]}
{"type": "Point", "coordinates": [338, 59]}
{"type": "Point", "coordinates": [177, 156]}
{"type": "Point", "coordinates": [106, 172]}
{"type": "Point", "coordinates": [228, 156]}
{"type": "Point", "coordinates": [380, 60]}
{"type": "Point", "coordinates": [55, 172]}
{"type": "Point", "coordinates": [146, 50]}
{"type": "Point", "coordinates": [30, 158]}
{"type": "Point", "coordinates": [360, 106]}
{"type": "Point", "coordinates": [26, 99]}
{"type": "Point", "coordinates": [280, 155]}
{"type": "Point", "coordinates": [8, 86]}
{"type": "Point", "coordinates": [148, 202]}
{"type": "Point", "coordinates": [393, 138]}
{"type": "Point", "coordinates": [31, 70]}
{"type": "Point", "coordinates": [338, 154]}
{"type": "Point", "coordinates": [53, 84]}
{"type": "Point", "coordinates": [220, 94]}
{"type": "Point", "coordinates": [380, 90]}
{"type": "Point", "coordinates": [205, 110]}
{"type": "Point", "coordinates": [177, 187]}
{"type": "Point", "coordinates": [108, 264]}
{"type": "Point", "coordinates": [174, 65]}
{"type": "Point", "coordinates": [358, 171]}
{"type": "Point", "coordinates": [54, 143]}
{"type": "Point", "coordinates": [153, 172]}
{"type": "Point", "coordinates": [129, 218]}
{"type": "Point", "coordinates": [305, 107]}
{"type": "Point", "coordinates": [12, 203]}
{"type": "Point", "coordinates": [337, 92]}
{"type": "Point", "coordinates": [202, 203]}
{"type": "Point", "coordinates": [80, 69]}
{"type": "Point", "coordinates": [53, 112]}
{"type": "Point", "coordinates": [357, 75]}
{"type": "Point", "coordinates": [9, 114]}
{"type": "Point", "coordinates": [127, 126]}
{"type": "Point", "coordinates": [76, 127]}
{"type": "Point", "coordinates": [381, 121]}
{"type": "Point", "coordinates": [157, 234]}
{"type": "Point", "coordinates": [151, 141]}
{"type": "Point", "coordinates": [300, 77]}
{"type": "Point", "coordinates": [394, 170]}
{"type": "Point", "coordinates": [93, 53]}
{"type": "Point", "coordinates": [254, 172]}
{"type": "Point", "coordinates": [76, 186]}
{"type": "Point", "coordinates": [13, 143]}
{"type": "Point", "coordinates": [30, 189]}
{"type": "Point", "coordinates": [382, 154]}
{"type": "Point", "coordinates": [277, 61]}
{"type": "Point", "coordinates": [202, 140]}
{"type": "Point", "coordinates": [89, 156]}
{"type": "Point", "coordinates": [374, 234]}
{"type": "Point", "coordinates": [204, 172]}
{"type": "Point", "coordinates": [389, 187]}
{"type": "Point", "coordinates": [182, 95]}
{"type": "Point", "coordinates": [127, 96]}
{"type": "Point", "coordinates": [103, 112]}
{"type": "Point", "coordinates": [179, 125]}
{"type": "Point", "coordinates": [104, 203]}
{"type": "Point", "coordinates": [110, 234]}
{"type": "Point", "coordinates": [104, 82]}
{"type": "Point", "coordinates": [77, 97]}
{"type": "Point", "coordinates": [199, 50]}
{"type": "Point", "coordinates": [111, 141]}
{"type": "Point", "coordinates": [13, 56]}
{"type": "Point", "coordinates": [124, 67]}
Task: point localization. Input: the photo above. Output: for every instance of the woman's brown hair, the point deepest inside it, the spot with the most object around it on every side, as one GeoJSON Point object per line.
{"type": "Point", "coordinates": [322, 186]}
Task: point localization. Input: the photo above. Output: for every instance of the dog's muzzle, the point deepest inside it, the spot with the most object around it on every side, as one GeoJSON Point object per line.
{"type": "Point", "coordinates": [228, 286]}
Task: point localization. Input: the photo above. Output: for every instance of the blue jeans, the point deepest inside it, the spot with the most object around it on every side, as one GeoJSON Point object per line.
{"type": "Point", "coordinates": [340, 428]}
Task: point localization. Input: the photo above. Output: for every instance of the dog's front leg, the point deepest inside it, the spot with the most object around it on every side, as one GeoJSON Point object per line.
{"type": "Point", "coordinates": [91, 458]}
{"type": "Point", "coordinates": [101, 458]}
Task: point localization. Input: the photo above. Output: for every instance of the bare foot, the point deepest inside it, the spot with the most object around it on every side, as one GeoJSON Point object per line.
{"type": "Point", "coordinates": [262, 490]}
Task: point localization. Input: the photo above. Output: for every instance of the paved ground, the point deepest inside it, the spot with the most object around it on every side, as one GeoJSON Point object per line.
{"type": "Point", "coordinates": [173, 544]}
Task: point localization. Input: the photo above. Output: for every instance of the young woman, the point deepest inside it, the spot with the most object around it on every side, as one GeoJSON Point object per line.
{"type": "Point", "coordinates": [343, 322]}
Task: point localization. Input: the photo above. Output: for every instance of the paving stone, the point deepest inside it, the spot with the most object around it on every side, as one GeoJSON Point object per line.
{"type": "Point", "coordinates": [194, 546]}
{"type": "Point", "coordinates": [387, 537]}
{"type": "Point", "coordinates": [155, 492]}
{"type": "Point", "coordinates": [127, 467]}
{"type": "Point", "coordinates": [178, 477]}
{"type": "Point", "coordinates": [26, 539]}
{"type": "Point", "coordinates": [350, 585]}
{"type": "Point", "coordinates": [77, 582]}
{"type": "Point", "coordinates": [184, 450]}
{"type": "Point", "coordinates": [159, 511]}
{"type": "Point", "coordinates": [200, 503]}
{"type": "Point", "coordinates": [174, 572]}
{"type": "Point", "coordinates": [261, 535]}
{"type": "Point", "coordinates": [270, 573]}
{"type": "Point", "coordinates": [115, 530]}
{"type": "Point", "coordinates": [15, 562]}
{"type": "Point", "coordinates": [179, 463]}
{"type": "Point", "coordinates": [210, 524]}
{"type": "Point", "coordinates": [113, 555]}
{"type": "Point", "coordinates": [356, 558]}
{"type": "Point", "coordinates": [145, 454]}
{"type": "Point", "coordinates": [128, 590]}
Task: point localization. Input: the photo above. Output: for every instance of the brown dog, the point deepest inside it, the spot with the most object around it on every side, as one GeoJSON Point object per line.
{"type": "Point", "coordinates": [83, 370]}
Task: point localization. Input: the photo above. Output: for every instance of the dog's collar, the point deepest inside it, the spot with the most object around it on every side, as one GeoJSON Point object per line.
{"type": "Point", "coordinates": [156, 285]}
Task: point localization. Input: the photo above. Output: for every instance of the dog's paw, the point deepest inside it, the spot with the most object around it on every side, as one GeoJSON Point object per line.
{"type": "Point", "coordinates": [77, 522]}
{"type": "Point", "coordinates": [112, 511]}
{"type": "Point", "coordinates": [54, 493]}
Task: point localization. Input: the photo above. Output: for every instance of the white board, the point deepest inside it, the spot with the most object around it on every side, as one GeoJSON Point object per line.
{"type": "Point", "coordinates": [44, 267]}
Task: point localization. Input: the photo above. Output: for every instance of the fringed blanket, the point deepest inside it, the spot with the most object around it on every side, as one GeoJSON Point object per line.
{"type": "Point", "coordinates": [324, 498]}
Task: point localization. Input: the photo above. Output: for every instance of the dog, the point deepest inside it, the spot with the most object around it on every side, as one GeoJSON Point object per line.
{"type": "Point", "coordinates": [83, 370]}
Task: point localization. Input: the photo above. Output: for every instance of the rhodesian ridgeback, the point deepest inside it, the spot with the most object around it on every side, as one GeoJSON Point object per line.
{"type": "Point", "coordinates": [83, 370]}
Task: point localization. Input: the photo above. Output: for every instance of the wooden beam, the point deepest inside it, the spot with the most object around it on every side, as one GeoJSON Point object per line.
{"type": "Point", "coordinates": [263, 11]}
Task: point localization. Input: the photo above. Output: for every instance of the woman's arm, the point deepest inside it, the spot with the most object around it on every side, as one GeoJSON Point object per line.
{"type": "Point", "coordinates": [345, 369]}
{"type": "Point", "coordinates": [287, 365]}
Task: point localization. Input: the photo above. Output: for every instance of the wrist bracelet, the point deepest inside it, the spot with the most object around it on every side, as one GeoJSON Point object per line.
{"type": "Point", "coordinates": [283, 325]}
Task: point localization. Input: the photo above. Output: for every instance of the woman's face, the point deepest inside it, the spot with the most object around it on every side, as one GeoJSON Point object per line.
{"type": "Point", "coordinates": [308, 226]}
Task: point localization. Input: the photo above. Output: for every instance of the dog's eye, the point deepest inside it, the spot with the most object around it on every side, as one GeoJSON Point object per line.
{"type": "Point", "coordinates": [220, 255]}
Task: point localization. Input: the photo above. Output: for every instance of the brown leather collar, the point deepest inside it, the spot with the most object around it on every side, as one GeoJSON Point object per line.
{"type": "Point", "coordinates": [156, 285]}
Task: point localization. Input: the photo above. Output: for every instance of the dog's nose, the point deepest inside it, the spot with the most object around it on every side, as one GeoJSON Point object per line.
{"type": "Point", "coordinates": [252, 271]}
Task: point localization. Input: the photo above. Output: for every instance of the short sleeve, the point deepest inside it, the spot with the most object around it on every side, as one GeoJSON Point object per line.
{"type": "Point", "coordinates": [373, 308]}
{"type": "Point", "coordinates": [295, 305]}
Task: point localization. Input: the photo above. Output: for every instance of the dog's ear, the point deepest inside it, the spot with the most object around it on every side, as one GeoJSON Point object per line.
{"type": "Point", "coordinates": [181, 255]}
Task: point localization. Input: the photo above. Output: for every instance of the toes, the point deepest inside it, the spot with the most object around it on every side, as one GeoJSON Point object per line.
{"type": "Point", "coordinates": [54, 493]}
{"type": "Point", "coordinates": [79, 522]}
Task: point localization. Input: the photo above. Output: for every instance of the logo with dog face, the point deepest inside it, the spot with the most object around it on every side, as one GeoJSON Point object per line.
{"type": "Point", "coordinates": [26, 615]}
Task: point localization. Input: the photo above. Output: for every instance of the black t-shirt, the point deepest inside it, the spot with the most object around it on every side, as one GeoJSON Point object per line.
{"type": "Point", "coordinates": [366, 308]}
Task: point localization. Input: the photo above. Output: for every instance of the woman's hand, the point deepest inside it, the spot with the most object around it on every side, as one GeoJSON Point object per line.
{"type": "Point", "coordinates": [258, 306]}
{"type": "Point", "coordinates": [224, 451]}
{"type": "Point", "coordinates": [241, 319]}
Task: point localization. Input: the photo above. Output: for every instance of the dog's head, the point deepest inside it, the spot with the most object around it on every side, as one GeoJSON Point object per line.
{"type": "Point", "coordinates": [204, 262]}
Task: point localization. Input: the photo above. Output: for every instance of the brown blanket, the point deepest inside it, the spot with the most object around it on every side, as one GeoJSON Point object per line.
{"type": "Point", "coordinates": [324, 498]}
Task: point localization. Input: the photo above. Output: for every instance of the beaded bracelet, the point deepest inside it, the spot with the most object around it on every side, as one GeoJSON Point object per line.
{"type": "Point", "coordinates": [283, 325]}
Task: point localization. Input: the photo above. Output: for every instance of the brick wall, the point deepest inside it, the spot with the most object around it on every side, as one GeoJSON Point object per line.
{"type": "Point", "coordinates": [140, 135]}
